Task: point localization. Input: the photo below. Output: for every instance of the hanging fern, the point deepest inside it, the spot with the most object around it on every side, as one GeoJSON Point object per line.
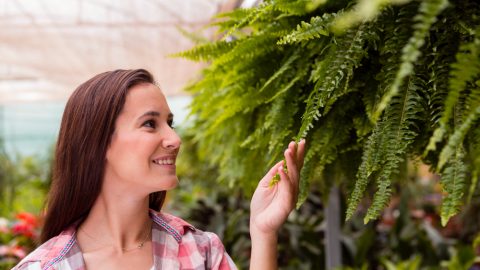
{"type": "Point", "coordinates": [397, 83]}
{"type": "Point", "coordinates": [428, 11]}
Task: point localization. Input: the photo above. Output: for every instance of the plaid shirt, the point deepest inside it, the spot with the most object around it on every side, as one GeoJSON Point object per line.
{"type": "Point", "coordinates": [175, 243]}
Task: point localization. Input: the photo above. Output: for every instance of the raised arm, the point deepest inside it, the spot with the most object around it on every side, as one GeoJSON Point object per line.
{"type": "Point", "coordinates": [271, 206]}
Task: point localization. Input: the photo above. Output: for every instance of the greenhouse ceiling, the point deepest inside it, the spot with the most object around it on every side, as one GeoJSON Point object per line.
{"type": "Point", "coordinates": [49, 47]}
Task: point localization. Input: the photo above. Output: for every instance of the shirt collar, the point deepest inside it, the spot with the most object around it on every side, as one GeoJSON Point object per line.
{"type": "Point", "coordinates": [175, 226]}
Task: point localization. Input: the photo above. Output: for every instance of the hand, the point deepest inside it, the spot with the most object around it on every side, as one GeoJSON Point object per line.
{"type": "Point", "coordinates": [271, 206]}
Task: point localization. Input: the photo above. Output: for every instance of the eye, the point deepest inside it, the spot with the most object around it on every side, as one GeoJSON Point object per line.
{"type": "Point", "coordinates": [171, 123]}
{"type": "Point", "coordinates": [149, 123]}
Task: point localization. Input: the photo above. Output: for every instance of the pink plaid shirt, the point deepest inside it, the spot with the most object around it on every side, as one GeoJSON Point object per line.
{"type": "Point", "coordinates": [175, 243]}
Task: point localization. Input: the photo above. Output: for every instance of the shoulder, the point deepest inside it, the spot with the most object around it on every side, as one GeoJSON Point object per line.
{"type": "Point", "coordinates": [49, 252]}
{"type": "Point", "coordinates": [184, 232]}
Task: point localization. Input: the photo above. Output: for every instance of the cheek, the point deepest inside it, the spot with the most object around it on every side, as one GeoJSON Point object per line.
{"type": "Point", "coordinates": [129, 149]}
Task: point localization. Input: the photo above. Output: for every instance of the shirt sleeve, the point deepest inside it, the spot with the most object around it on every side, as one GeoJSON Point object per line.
{"type": "Point", "coordinates": [220, 260]}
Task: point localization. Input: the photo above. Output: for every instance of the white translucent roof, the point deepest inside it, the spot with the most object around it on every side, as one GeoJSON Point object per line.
{"type": "Point", "coordinates": [48, 47]}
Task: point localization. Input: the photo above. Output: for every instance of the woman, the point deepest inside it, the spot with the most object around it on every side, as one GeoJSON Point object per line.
{"type": "Point", "coordinates": [114, 162]}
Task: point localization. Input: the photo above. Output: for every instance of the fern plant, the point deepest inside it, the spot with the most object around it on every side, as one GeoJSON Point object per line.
{"type": "Point", "coordinates": [369, 90]}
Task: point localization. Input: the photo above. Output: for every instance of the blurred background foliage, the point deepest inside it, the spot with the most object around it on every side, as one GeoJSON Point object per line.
{"type": "Point", "coordinates": [24, 182]}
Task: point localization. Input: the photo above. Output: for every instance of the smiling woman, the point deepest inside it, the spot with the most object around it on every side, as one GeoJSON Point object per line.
{"type": "Point", "coordinates": [114, 162]}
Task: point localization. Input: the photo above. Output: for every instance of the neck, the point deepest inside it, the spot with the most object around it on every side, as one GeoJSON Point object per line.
{"type": "Point", "coordinates": [118, 220]}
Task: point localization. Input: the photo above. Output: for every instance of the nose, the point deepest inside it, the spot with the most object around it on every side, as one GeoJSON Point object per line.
{"type": "Point", "coordinates": [171, 140]}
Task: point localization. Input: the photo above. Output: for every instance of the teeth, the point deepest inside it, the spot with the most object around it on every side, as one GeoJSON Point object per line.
{"type": "Point", "coordinates": [164, 161]}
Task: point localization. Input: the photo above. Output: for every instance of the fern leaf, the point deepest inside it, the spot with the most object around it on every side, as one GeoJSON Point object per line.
{"type": "Point", "coordinates": [387, 148]}
{"type": "Point", "coordinates": [370, 159]}
{"type": "Point", "coordinates": [428, 11]}
{"type": "Point", "coordinates": [336, 72]}
{"type": "Point", "coordinates": [227, 20]}
{"type": "Point", "coordinates": [401, 118]}
{"type": "Point", "coordinates": [317, 27]}
{"type": "Point", "coordinates": [463, 70]}
{"type": "Point", "coordinates": [292, 7]}
{"type": "Point", "coordinates": [457, 138]}
{"type": "Point", "coordinates": [285, 67]}
{"type": "Point", "coordinates": [207, 52]}
{"type": "Point", "coordinates": [329, 142]}
{"type": "Point", "coordinates": [247, 48]}
{"type": "Point", "coordinates": [363, 11]}
{"type": "Point", "coordinates": [474, 156]}
{"type": "Point", "coordinates": [253, 15]}
{"type": "Point", "coordinates": [453, 180]}
{"type": "Point", "coordinates": [309, 167]}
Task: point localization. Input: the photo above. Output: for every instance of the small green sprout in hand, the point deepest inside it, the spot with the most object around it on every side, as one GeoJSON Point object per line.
{"type": "Point", "coordinates": [276, 178]}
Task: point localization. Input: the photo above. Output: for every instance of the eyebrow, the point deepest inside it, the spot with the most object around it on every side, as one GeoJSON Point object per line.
{"type": "Point", "coordinates": [155, 114]}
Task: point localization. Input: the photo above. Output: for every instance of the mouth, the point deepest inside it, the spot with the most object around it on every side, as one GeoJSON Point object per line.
{"type": "Point", "coordinates": [164, 161]}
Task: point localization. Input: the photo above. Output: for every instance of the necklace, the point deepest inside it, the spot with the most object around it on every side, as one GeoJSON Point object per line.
{"type": "Point", "coordinates": [140, 245]}
{"type": "Point", "coordinates": [147, 231]}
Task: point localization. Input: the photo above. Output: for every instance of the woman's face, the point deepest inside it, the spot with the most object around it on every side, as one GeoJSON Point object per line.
{"type": "Point", "coordinates": [143, 148]}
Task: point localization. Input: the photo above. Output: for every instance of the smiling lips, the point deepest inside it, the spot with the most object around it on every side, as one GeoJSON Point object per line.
{"type": "Point", "coordinates": [165, 161]}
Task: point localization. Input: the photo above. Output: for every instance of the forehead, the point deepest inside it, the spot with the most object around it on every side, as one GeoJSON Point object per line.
{"type": "Point", "coordinates": [144, 97]}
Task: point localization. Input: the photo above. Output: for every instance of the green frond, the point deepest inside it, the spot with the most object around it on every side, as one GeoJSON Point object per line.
{"type": "Point", "coordinates": [380, 199]}
{"type": "Point", "coordinates": [363, 11]}
{"type": "Point", "coordinates": [370, 158]}
{"type": "Point", "coordinates": [456, 139]}
{"type": "Point", "coordinates": [292, 7]}
{"type": "Point", "coordinates": [335, 73]}
{"type": "Point", "coordinates": [387, 147]}
{"type": "Point", "coordinates": [428, 12]}
{"type": "Point", "coordinates": [453, 181]}
{"type": "Point", "coordinates": [439, 71]}
{"type": "Point", "coordinates": [307, 173]}
{"type": "Point", "coordinates": [225, 21]}
{"type": "Point", "coordinates": [473, 139]}
{"type": "Point", "coordinates": [401, 118]}
{"type": "Point", "coordinates": [251, 17]}
{"type": "Point", "coordinates": [318, 26]}
{"type": "Point", "coordinates": [286, 66]}
{"type": "Point", "coordinates": [267, 93]}
{"type": "Point", "coordinates": [396, 34]}
{"type": "Point", "coordinates": [329, 142]}
{"type": "Point", "coordinates": [463, 70]}
{"type": "Point", "coordinates": [234, 15]}
{"type": "Point", "coordinates": [247, 48]}
{"type": "Point", "coordinates": [269, 126]}
{"type": "Point", "coordinates": [207, 52]}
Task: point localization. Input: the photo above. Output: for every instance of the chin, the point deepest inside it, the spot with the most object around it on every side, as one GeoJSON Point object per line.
{"type": "Point", "coordinates": [167, 184]}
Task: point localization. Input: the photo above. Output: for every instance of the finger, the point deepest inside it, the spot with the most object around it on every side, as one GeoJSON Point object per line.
{"type": "Point", "coordinates": [291, 165]}
{"type": "Point", "coordinates": [293, 147]}
{"type": "Point", "coordinates": [287, 191]}
{"type": "Point", "coordinates": [300, 153]}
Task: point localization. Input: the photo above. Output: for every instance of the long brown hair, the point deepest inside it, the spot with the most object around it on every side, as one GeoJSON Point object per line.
{"type": "Point", "coordinates": [88, 123]}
